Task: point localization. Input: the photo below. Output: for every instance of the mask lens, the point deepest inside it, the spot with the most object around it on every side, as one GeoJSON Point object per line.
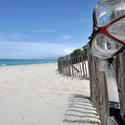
{"type": "Point", "coordinates": [109, 10]}
{"type": "Point", "coordinates": [118, 29]}
{"type": "Point", "coordinates": [104, 47]}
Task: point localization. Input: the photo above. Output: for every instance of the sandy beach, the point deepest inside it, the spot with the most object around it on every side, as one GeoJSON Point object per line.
{"type": "Point", "coordinates": [36, 94]}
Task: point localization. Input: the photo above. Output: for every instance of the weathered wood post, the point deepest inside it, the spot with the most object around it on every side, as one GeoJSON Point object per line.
{"type": "Point", "coordinates": [122, 81]}
{"type": "Point", "coordinates": [71, 63]}
{"type": "Point", "coordinates": [73, 66]}
{"type": "Point", "coordinates": [68, 66]}
{"type": "Point", "coordinates": [98, 87]}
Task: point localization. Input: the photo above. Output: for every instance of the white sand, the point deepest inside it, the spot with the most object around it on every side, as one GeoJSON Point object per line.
{"type": "Point", "coordinates": [36, 94]}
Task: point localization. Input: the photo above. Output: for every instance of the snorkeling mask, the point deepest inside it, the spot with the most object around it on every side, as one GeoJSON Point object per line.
{"type": "Point", "coordinates": [108, 37]}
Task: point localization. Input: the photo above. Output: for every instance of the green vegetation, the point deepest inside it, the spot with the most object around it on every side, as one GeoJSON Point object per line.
{"type": "Point", "coordinates": [81, 53]}
{"type": "Point", "coordinates": [77, 52]}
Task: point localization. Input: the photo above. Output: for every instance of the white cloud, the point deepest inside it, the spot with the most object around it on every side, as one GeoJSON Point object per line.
{"type": "Point", "coordinates": [13, 36]}
{"type": "Point", "coordinates": [68, 51]}
{"type": "Point", "coordinates": [22, 49]}
{"type": "Point", "coordinates": [66, 37]}
{"type": "Point", "coordinates": [12, 48]}
{"type": "Point", "coordinates": [42, 31]}
{"type": "Point", "coordinates": [17, 35]}
{"type": "Point", "coordinates": [2, 36]}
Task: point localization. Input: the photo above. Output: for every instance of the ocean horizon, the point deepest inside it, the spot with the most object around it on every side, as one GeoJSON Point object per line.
{"type": "Point", "coordinates": [9, 62]}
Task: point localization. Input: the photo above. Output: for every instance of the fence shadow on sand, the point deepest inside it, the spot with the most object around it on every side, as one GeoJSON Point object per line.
{"type": "Point", "coordinates": [80, 111]}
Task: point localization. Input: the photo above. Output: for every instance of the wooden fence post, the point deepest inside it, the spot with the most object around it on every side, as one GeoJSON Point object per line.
{"type": "Point", "coordinates": [68, 66]}
{"type": "Point", "coordinates": [98, 87]}
{"type": "Point", "coordinates": [73, 66]}
{"type": "Point", "coordinates": [122, 74]}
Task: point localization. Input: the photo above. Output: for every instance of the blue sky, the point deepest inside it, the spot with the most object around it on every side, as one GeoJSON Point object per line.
{"type": "Point", "coordinates": [43, 28]}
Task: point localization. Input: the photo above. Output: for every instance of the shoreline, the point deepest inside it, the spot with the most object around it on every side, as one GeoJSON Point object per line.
{"type": "Point", "coordinates": [15, 62]}
{"type": "Point", "coordinates": [27, 64]}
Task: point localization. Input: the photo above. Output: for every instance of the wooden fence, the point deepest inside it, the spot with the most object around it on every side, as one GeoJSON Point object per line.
{"type": "Point", "coordinates": [75, 66]}
{"type": "Point", "coordinates": [98, 86]}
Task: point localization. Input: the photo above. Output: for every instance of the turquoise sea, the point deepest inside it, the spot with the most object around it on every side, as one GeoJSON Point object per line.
{"type": "Point", "coordinates": [8, 62]}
